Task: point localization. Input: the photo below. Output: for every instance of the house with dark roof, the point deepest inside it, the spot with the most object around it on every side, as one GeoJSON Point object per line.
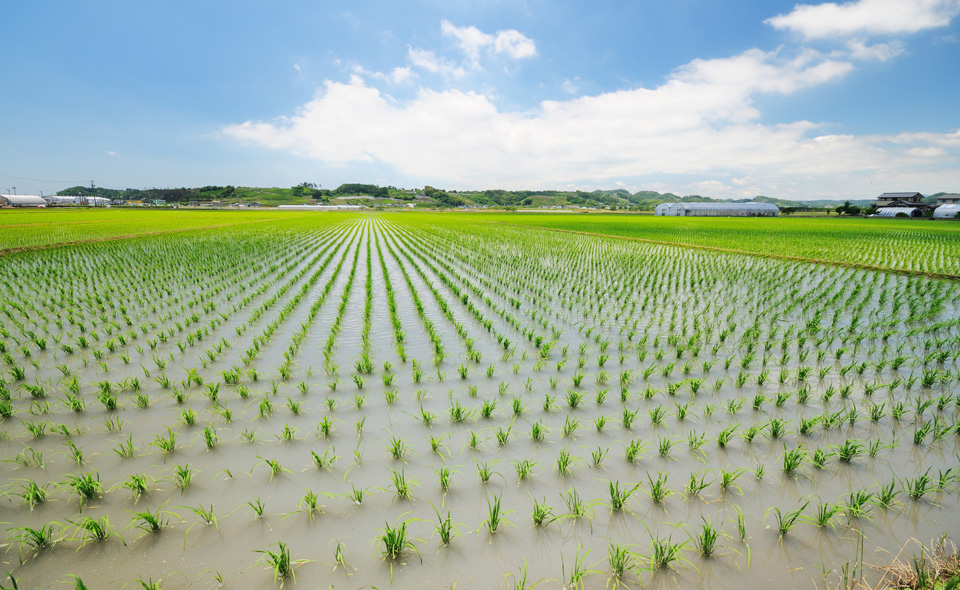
{"type": "Point", "coordinates": [901, 200]}
{"type": "Point", "coordinates": [948, 199]}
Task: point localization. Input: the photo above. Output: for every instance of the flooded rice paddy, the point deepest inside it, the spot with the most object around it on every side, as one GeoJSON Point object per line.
{"type": "Point", "coordinates": [523, 405]}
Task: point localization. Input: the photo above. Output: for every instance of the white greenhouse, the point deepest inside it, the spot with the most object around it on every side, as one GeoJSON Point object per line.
{"type": "Point", "coordinates": [717, 210]}
{"type": "Point", "coordinates": [947, 211]}
{"type": "Point", "coordinates": [899, 212]}
{"type": "Point", "coordinates": [21, 201]}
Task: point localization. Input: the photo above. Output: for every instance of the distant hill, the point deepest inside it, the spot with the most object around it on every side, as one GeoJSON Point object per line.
{"type": "Point", "coordinates": [374, 195]}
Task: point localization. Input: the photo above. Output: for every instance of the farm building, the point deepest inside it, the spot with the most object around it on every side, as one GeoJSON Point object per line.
{"type": "Point", "coordinates": [899, 212]}
{"type": "Point", "coordinates": [947, 211]}
{"type": "Point", "coordinates": [22, 201]}
{"type": "Point", "coordinates": [717, 210]}
{"type": "Point", "coordinates": [77, 200]}
{"type": "Point", "coordinates": [948, 199]}
{"type": "Point", "coordinates": [899, 200]}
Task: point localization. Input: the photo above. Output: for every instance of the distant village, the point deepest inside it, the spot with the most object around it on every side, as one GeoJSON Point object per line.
{"type": "Point", "coordinates": [910, 205]}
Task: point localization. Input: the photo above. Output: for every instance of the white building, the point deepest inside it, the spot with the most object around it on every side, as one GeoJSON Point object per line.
{"type": "Point", "coordinates": [22, 201]}
{"type": "Point", "coordinates": [947, 211]}
{"type": "Point", "coordinates": [717, 210]}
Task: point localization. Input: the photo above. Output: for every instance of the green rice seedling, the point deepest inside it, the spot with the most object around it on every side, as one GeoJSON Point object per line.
{"type": "Point", "coordinates": [397, 448]}
{"type": "Point", "coordinates": [620, 496]}
{"type": "Point", "coordinates": [920, 432]}
{"type": "Point", "coordinates": [444, 478]}
{"type": "Point", "coordinates": [858, 504]}
{"type": "Point", "coordinates": [280, 563]}
{"type": "Point", "coordinates": [95, 529]}
{"type": "Point", "coordinates": [887, 496]}
{"type": "Point", "coordinates": [182, 476]}
{"type": "Point", "coordinates": [87, 486]}
{"type": "Point", "coordinates": [578, 570]}
{"type": "Point", "coordinates": [549, 402]}
{"type": "Point", "coordinates": [697, 483]}
{"type": "Point", "coordinates": [396, 541]}
{"type": "Point", "coordinates": [664, 553]}
{"type": "Point", "coordinates": [488, 408]}
{"type": "Point", "coordinates": [824, 515]}
{"type": "Point", "coordinates": [628, 418]}
{"type": "Point", "coordinates": [777, 428]}
{"type": "Point", "coordinates": [621, 561]}
{"type": "Point", "coordinates": [574, 399]}
{"type": "Point", "coordinates": [657, 415]}
{"type": "Point", "coordinates": [524, 469]}
{"type": "Point", "coordinates": [658, 488]}
{"type": "Point", "coordinates": [542, 514]}
{"type": "Point", "coordinates": [36, 429]}
{"type": "Point", "coordinates": [726, 435]}
{"type": "Point", "coordinates": [152, 522]}
{"type": "Point", "coordinates": [793, 459]}
{"type": "Point", "coordinates": [28, 458]}
{"type": "Point", "coordinates": [665, 445]}
{"type": "Point", "coordinates": [635, 450]}
{"type": "Point", "coordinates": [426, 417]}
{"type": "Point", "coordinates": [495, 515]}
{"type": "Point", "coordinates": [786, 521]}
{"type": "Point", "coordinates": [485, 472]}
{"type": "Point", "coordinates": [570, 427]}
{"type": "Point", "coordinates": [576, 507]}
{"type": "Point", "coordinates": [728, 478]}
{"type": "Point", "coordinates": [820, 458]}
{"type": "Point", "coordinates": [503, 436]}
{"type": "Point", "coordinates": [357, 495]}
{"type": "Point", "coordinates": [402, 486]}
{"type": "Point", "coordinates": [257, 507]}
{"type": "Point", "coordinates": [326, 460]}
{"type": "Point", "coordinates": [126, 449]}
{"type": "Point", "coordinates": [37, 539]}
{"type": "Point", "coordinates": [538, 432]}
{"type": "Point", "coordinates": [32, 493]}
{"type": "Point", "coordinates": [309, 501]}
{"type": "Point", "coordinates": [188, 417]}
{"type": "Point", "coordinates": [458, 413]}
{"type": "Point", "coordinates": [849, 450]}
{"type": "Point", "coordinates": [706, 539]}
{"type": "Point", "coordinates": [565, 462]}
{"type": "Point", "coordinates": [473, 441]}
{"type": "Point", "coordinates": [137, 483]}
{"type": "Point", "coordinates": [325, 427]}
{"type": "Point", "coordinates": [599, 455]}
{"type": "Point", "coordinates": [166, 444]}
{"type": "Point", "coordinates": [74, 452]}
{"type": "Point", "coordinates": [919, 486]}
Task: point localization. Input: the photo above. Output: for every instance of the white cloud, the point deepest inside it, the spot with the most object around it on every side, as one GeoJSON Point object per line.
{"type": "Point", "coordinates": [429, 61]}
{"type": "Point", "coordinates": [111, 153]}
{"type": "Point", "coordinates": [700, 125]}
{"type": "Point", "coordinates": [859, 50]}
{"type": "Point", "coordinates": [570, 86]}
{"type": "Point", "coordinates": [515, 44]}
{"type": "Point", "coordinates": [866, 17]}
{"type": "Point", "coordinates": [471, 40]}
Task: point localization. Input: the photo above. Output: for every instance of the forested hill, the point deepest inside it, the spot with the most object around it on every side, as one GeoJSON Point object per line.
{"type": "Point", "coordinates": [428, 196]}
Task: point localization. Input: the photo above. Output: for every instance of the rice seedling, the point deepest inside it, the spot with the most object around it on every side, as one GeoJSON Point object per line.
{"type": "Point", "coordinates": [280, 563]}
{"type": "Point", "coordinates": [542, 514]}
{"type": "Point", "coordinates": [786, 521]}
{"type": "Point", "coordinates": [620, 496]}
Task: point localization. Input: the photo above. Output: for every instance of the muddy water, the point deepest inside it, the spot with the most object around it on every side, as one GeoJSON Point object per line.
{"type": "Point", "coordinates": [235, 476]}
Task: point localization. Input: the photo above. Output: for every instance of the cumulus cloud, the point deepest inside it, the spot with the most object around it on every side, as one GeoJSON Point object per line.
{"type": "Point", "coordinates": [859, 50]}
{"type": "Point", "coordinates": [866, 17]}
{"type": "Point", "coordinates": [471, 40]}
{"type": "Point", "coordinates": [701, 122]}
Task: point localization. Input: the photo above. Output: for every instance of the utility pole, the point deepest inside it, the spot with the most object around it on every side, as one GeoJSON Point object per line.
{"type": "Point", "coordinates": [14, 190]}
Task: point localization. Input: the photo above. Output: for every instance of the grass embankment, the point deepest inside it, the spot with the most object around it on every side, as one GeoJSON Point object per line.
{"type": "Point", "coordinates": [916, 247]}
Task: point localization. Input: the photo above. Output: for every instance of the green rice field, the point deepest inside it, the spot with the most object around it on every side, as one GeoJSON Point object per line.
{"type": "Point", "coordinates": [420, 400]}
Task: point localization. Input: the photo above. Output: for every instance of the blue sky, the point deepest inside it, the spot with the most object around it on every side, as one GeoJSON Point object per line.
{"type": "Point", "coordinates": [726, 99]}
